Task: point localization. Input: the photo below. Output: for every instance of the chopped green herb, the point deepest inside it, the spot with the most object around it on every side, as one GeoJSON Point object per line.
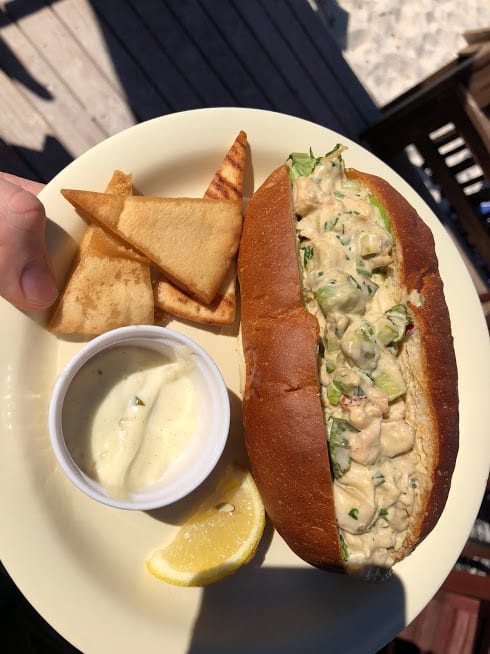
{"type": "Point", "coordinates": [383, 512]}
{"type": "Point", "coordinates": [355, 282]}
{"type": "Point", "coordinates": [338, 444]}
{"type": "Point", "coordinates": [357, 391]}
{"type": "Point", "coordinates": [343, 548]}
{"type": "Point", "coordinates": [361, 268]}
{"type": "Point", "coordinates": [330, 152]}
{"type": "Point", "coordinates": [302, 164]}
{"type": "Point", "coordinates": [330, 224]}
{"type": "Point", "coordinates": [308, 253]}
{"type": "Point", "coordinates": [368, 375]}
{"type": "Point", "coordinates": [345, 240]}
{"type": "Point", "coordinates": [354, 513]}
{"type": "Point", "coordinates": [378, 478]}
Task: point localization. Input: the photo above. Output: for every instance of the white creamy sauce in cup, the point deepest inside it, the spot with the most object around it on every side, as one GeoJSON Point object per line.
{"type": "Point", "coordinates": [129, 413]}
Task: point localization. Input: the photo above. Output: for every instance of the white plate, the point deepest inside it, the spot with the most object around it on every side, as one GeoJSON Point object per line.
{"type": "Point", "coordinates": [81, 564]}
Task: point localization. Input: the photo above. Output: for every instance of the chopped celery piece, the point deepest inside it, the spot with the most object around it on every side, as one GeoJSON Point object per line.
{"type": "Point", "coordinates": [351, 184]}
{"type": "Point", "coordinates": [388, 376]}
{"type": "Point", "coordinates": [370, 244]}
{"type": "Point", "coordinates": [382, 212]}
{"type": "Point", "coordinates": [359, 346]}
{"type": "Point", "coordinates": [338, 444]}
{"type": "Point", "coordinates": [387, 334]}
{"type": "Point", "coordinates": [340, 294]}
{"type": "Point", "coordinates": [333, 394]}
{"type": "Point", "coordinates": [398, 317]}
{"type": "Point", "coordinates": [379, 278]}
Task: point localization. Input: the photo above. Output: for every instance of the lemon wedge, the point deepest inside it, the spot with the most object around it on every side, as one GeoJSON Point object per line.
{"type": "Point", "coordinates": [218, 537]}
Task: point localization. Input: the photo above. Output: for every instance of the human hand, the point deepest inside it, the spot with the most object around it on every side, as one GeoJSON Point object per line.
{"type": "Point", "coordinates": [26, 277]}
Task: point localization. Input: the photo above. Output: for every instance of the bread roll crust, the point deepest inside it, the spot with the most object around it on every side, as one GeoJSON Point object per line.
{"type": "Point", "coordinates": [284, 426]}
{"type": "Point", "coordinates": [283, 419]}
{"type": "Point", "coordinates": [417, 269]}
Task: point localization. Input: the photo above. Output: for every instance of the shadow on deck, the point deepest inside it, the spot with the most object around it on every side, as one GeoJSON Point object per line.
{"type": "Point", "coordinates": [98, 66]}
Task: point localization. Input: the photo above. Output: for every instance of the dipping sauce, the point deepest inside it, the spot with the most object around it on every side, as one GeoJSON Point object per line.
{"type": "Point", "coordinates": [130, 413]}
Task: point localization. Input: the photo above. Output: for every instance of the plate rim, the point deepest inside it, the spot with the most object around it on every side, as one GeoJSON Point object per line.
{"type": "Point", "coordinates": [238, 113]}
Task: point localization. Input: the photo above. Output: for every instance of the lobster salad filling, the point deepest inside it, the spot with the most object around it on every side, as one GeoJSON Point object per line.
{"type": "Point", "coordinates": [346, 253]}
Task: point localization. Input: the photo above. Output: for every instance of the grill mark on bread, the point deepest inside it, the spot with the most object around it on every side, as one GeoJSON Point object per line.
{"type": "Point", "coordinates": [227, 184]}
{"type": "Point", "coordinates": [223, 188]}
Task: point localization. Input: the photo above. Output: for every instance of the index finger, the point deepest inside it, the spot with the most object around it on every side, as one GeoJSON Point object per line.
{"type": "Point", "coordinates": [27, 184]}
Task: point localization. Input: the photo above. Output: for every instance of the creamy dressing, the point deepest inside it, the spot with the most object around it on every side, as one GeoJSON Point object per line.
{"type": "Point", "coordinates": [129, 414]}
{"type": "Point", "coordinates": [346, 255]}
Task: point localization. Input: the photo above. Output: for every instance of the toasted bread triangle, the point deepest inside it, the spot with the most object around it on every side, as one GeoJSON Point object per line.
{"type": "Point", "coordinates": [227, 184]}
{"type": "Point", "coordinates": [109, 285]}
{"type": "Point", "coordinates": [192, 240]}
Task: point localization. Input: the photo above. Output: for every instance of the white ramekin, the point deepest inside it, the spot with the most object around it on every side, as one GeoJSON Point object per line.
{"type": "Point", "coordinates": [212, 424]}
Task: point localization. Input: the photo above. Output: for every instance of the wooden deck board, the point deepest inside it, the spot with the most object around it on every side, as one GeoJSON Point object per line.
{"type": "Point", "coordinates": [60, 109]}
{"type": "Point", "coordinates": [206, 63]}
{"type": "Point", "coordinates": [28, 135]}
{"type": "Point", "coordinates": [218, 27]}
{"type": "Point", "coordinates": [77, 71]}
{"type": "Point", "coordinates": [80, 74]}
{"type": "Point", "coordinates": [107, 42]}
{"type": "Point", "coordinates": [21, 124]}
{"type": "Point", "coordinates": [335, 91]}
{"type": "Point", "coordinates": [447, 625]}
{"type": "Point", "coordinates": [158, 73]}
{"type": "Point", "coordinates": [80, 18]}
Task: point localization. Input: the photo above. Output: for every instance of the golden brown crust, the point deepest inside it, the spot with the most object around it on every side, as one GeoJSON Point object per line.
{"type": "Point", "coordinates": [418, 270]}
{"type": "Point", "coordinates": [227, 184]}
{"type": "Point", "coordinates": [283, 419]}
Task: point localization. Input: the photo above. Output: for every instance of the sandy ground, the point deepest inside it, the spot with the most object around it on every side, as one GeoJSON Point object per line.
{"type": "Point", "coordinates": [393, 44]}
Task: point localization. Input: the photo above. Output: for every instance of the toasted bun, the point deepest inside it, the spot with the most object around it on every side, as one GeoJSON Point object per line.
{"type": "Point", "coordinates": [430, 359]}
{"type": "Point", "coordinates": [283, 419]}
{"type": "Point", "coordinates": [282, 413]}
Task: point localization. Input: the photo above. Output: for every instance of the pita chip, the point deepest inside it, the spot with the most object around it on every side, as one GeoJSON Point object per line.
{"type": "Point", "coordinates": [226, 184]}
{"type": "Point", "coordinates": [109, 285]}
{"type": "Point", "coordinates": [192, 240]}
{"type": "Point", "coordinates": [119, 184]}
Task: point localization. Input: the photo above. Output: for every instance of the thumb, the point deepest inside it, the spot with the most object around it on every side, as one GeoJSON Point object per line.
{"type": "Point", "coordinates": [26, 278]}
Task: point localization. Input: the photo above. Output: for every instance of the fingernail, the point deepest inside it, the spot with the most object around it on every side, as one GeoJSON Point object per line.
{"type": "Point", "coordinates": [38, 284]}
